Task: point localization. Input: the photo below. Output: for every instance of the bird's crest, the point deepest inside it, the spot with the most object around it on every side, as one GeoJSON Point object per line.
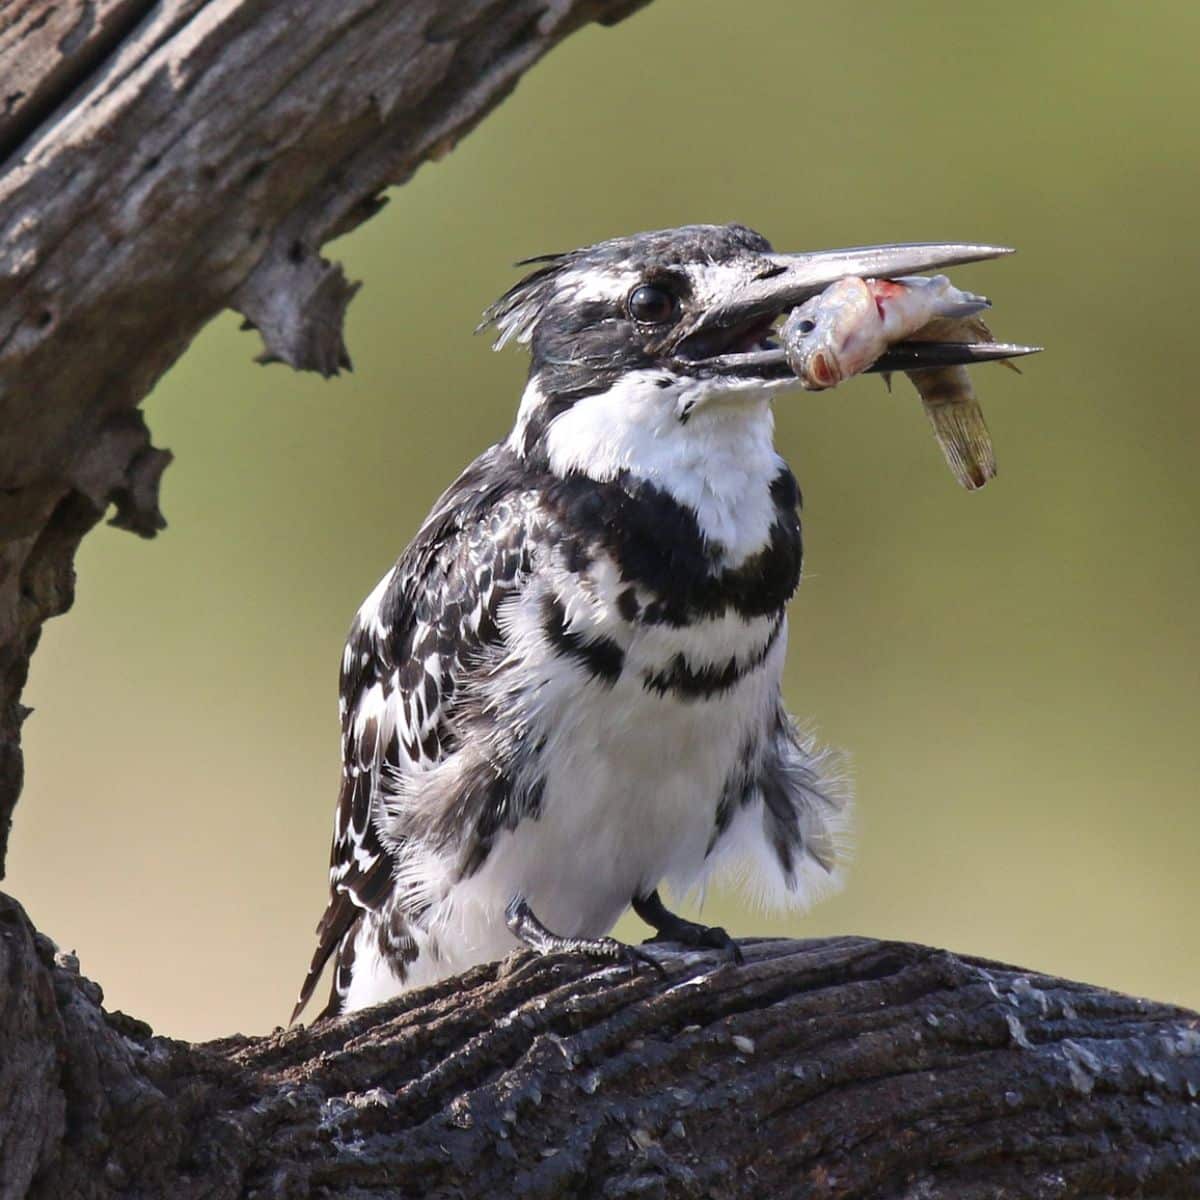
{"type": "Point", "coordinates": [515, 313]}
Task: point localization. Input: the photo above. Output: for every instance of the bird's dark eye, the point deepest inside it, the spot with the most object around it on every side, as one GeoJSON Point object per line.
{"type": "Point", "coordinates": [651, 305]}
{"type": "Point", "coordinates": [806, 326]}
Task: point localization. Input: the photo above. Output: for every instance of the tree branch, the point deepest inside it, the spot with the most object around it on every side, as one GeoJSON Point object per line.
{"type": "Point", "coordinates": [162, 161]}
{"type": "Point", "coordinates": [838, 1068]}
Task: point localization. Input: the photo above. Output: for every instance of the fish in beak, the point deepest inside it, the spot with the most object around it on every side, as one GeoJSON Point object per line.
{"type": "Point", "coordinates": [733, 336]}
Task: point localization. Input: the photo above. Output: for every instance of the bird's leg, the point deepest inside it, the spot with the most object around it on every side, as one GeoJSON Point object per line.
{"type": "Point", "coordinates": [670, 928]}
{"type": "Point", "coordinates": [527, 929]}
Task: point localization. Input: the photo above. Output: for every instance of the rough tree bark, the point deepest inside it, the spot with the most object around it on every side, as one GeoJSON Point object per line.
{"type": "Point", "coordinates": [841, 1068]}
{"type": "Point", "coordinates": [161, 161]}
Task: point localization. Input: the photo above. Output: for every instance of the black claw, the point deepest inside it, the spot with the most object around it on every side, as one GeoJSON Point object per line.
{"type": "Point", "coordinates": [717, 939]}
{"type": "Point", "coordinates": [671, 928]}
{"type": "Point", "coordinates": [701, 937]}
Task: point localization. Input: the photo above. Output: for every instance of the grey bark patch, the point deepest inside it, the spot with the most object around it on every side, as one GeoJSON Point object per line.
{"type": "Point", "coordinates": [297, 301]}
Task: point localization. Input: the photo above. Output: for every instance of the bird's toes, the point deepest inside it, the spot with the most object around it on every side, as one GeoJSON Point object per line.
{"type": "Point", "coordinates": [701, 937]}
{"type": "Point", "coordinates": [716, 938]}
{"type": "Point", "coordinates": [611, 950]}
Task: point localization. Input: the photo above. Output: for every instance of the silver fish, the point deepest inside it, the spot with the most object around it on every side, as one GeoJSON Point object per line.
{"type": "Point", "coordinates": [842, 332]}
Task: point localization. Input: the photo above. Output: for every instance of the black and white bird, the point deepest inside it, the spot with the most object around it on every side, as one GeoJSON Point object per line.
{"type": "Point", "coordinates": [565, 695]}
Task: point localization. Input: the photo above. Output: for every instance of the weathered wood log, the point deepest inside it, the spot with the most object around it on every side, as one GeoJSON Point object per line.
{"type": "Point", "coordinates": [162, 161]}
{"type": "Point", "coordinates": [837, 1068]}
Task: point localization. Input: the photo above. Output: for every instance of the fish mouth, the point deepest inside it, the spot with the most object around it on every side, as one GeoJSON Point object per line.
{"type": "Point", "coordinates": [823, 369]}
{"type": "Point", "coordinates": [732, 338]}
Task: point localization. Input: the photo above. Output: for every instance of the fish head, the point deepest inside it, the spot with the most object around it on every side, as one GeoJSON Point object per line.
{"type": "Point", "coordinates": [832, 335]}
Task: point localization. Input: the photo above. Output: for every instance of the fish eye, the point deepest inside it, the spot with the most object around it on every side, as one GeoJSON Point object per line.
{"type": "Point", "coordinates": [651, 305]}
{"type": "Point", "coordinates": [805, 326]}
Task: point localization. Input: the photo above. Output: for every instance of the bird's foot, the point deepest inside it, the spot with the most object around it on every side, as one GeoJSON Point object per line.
{"type": "Point", "coordinates": [671, 928]}
{"type": "Point", "coordinates": [527, 929]}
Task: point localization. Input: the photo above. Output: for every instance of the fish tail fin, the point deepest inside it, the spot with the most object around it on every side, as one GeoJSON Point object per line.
{"type": "Point", "coordinates": [957, 419]}
{"type": "Point", "coordinates": [965, 304]}
{"type": "Point", "coordinates": [963, 435]}
{"type": "Point", "coordinates": [952, 303]}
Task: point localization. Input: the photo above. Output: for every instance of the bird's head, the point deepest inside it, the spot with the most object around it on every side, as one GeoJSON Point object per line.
{"type": "Point", "coordinates": [669, 328]}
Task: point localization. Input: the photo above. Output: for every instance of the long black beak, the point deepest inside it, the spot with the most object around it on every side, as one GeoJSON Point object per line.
{"type": "Point", "coordinates": [903, 356]}
{"type": "Point", "coordinates": [786, 280]}
{"type": "Point", "coordinates": [914, 356]}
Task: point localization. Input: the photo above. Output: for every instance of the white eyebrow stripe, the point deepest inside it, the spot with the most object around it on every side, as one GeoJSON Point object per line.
{"type": "Point", "coordinates": [598, 284]}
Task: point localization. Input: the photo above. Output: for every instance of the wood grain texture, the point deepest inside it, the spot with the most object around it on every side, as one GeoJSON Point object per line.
{"type": "Point", "coordinates": [162, 161]}
{"type": "Point", "coordinates": [46, 48]}
{"type": "Point", "coordinates": [843, 1068]}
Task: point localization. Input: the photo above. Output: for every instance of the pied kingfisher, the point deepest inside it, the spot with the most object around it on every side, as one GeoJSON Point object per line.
{"type": "Point", "coordinates": [566, 692]}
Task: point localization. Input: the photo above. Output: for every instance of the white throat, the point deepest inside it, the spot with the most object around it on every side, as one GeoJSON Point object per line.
{"type": "Point", "coordinates": [719, 461]}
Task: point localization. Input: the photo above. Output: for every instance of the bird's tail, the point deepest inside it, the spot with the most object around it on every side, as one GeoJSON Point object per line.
{"type": "Point", "coordinates": [336, 932]}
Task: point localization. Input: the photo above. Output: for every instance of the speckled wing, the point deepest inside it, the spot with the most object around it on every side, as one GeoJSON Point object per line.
{"type": "Point", "coordinates": [409, 649]}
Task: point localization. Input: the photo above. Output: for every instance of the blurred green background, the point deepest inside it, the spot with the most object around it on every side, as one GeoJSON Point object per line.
{"type": "Point", "coordinates": [1014, 673]}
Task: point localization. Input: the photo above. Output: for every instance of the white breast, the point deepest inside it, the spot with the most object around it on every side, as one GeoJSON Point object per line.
{"type": "Point", "coordinates": [633, 782]}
